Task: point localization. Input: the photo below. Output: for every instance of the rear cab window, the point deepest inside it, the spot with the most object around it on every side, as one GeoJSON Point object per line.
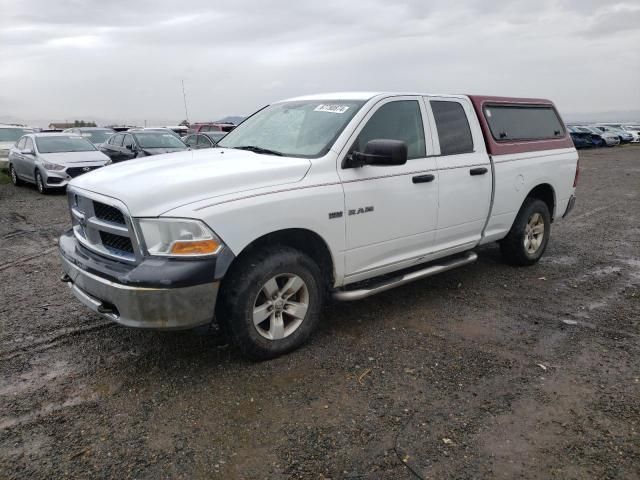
{"type": "Point", "coordinates": [523, 122]}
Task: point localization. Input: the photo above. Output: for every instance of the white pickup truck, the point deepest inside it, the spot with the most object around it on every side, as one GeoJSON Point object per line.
{"type": "Point", "coordinates": [343, 195]}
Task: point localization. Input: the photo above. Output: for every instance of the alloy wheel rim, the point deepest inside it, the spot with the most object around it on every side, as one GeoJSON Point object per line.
{"type": "Point", "coordinates": [14, 177]}
{"type": "Point", "coordinates": [280, 306]}
{"type": "Point", "coordinates": [39, 182]}
{"type": "Point", "coordinates": [534, 233]}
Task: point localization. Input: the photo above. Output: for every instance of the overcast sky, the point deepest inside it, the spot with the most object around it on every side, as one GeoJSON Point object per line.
{"type": "Point", "coordinates": [123, 60]}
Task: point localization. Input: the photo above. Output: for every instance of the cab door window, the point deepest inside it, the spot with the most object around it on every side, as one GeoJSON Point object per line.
{"type": "Point", "coordinates": [399, 120]}
{"type": "Point", "coordinates": [453, 127]}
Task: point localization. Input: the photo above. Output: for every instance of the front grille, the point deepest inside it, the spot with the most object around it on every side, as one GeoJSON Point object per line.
{"type": "Point", "coordinates": [108, 213]}
{"type": "Point", "coordinates": [75, 171]}
{"type": "Point", "coordinates": [116, 242]}
{"type": "Point", "coordinates": [103, 226]}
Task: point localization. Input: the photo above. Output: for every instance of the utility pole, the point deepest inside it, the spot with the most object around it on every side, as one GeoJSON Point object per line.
{"type": "Point", "coordinates": [184, 97]}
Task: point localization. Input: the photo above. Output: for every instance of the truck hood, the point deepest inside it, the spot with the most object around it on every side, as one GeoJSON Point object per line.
{"type": "Point", "coordinates": [151, 186]}
{"type": "Point", "coordinates": [68, 158]}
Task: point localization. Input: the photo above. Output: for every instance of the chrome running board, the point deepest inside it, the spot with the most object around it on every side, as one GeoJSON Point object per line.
{"type": "Point", "coordinates": [347, 295]}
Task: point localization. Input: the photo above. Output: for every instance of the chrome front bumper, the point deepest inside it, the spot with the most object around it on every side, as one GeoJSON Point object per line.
{"type": "Point", "coordinates": [141, 307]}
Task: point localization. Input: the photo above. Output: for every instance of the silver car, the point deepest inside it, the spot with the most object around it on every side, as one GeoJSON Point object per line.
{"type": "Point", "coordinates": [50, 160]}
{"type": "Point", "coordinates": [9, 135]}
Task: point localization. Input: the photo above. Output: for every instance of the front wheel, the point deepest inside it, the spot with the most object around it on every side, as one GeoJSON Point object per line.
{"type": "Point", "coordinates": [529, 235]}
{"type": "Point", "coordinates": [270, 303]}
{"type": "Point", "coordinates": [42, 188]}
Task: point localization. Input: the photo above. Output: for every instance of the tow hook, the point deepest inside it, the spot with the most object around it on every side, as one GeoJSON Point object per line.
{"type": "Point", "coordinates": [66, 278]}
{"type": "Point", "coordinates": [108, 309]}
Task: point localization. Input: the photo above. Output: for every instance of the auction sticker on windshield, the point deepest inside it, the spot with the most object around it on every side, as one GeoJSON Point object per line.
{"type": "Point", "coordinates": [331, 108]}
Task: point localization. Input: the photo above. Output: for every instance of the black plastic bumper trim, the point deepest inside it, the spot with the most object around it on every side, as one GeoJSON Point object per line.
{"type": "Point", "coordinates": [152, 272]}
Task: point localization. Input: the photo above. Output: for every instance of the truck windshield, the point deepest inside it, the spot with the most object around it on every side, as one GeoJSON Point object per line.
{"type": "Point", "coordinates": [296, 129]}
{"type": "Point", "coordinates": [61, 143]}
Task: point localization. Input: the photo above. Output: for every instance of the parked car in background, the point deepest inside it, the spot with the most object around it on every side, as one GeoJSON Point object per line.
{"type": "Point", "coordinates": [181, 130]}
{"type": "Point", "coordinates": [196, 141]}
{"type": "Point", "coordinates": [610, 139]}
{"type": "Point", "coordinates": [599, 138]}
{"type": "Point", "coordinates": [211, 127]}
{"type": "Point", "coordinates": [341, 194]}
{"type": "Point", "coordinates": [625, 137]}
{"type": "Point", "coordinates": [96, 135]}
{"type": "Point", "coordinates": [9, 135]}
{"type": "Point", "coordinates": [580, 138]}
{"type": "Point", "coordinates": [156, 129]}
{"type": "Point", "coordinates": [50, 160]}
{"type": "Point", "coordinates": [633, 130]}
{"type": "Point", "coordinates": [141, 143]}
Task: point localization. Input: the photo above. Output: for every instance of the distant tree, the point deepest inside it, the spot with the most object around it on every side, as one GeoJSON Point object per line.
{"type": "Point", "coordinates": [184, 123]}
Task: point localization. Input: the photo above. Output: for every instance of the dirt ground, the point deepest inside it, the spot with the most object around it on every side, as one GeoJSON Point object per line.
{"type": "Point", "coordinates": [487, 371]}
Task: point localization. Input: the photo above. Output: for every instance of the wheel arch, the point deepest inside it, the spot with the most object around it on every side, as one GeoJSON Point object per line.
{"type": "Point", "coordinates": [546, 193]}
{"type": "Point", "coordinates": [302, 239]}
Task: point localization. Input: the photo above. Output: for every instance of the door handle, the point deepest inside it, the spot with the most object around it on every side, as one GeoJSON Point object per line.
{"type": "Point", "coordinates": [478, 171]}
{"type": "Point", "coordinates": [423, 178]}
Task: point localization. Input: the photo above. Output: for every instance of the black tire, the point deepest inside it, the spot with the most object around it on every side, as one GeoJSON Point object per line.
{"type": "Point", "coordinates": [14, 176]}
{"type": "Point", "coordinates": [513, 246]}
{"type": "Point", "coordinates": [244, 287]}
{"type": "Point", "coordinates": [40, 185]}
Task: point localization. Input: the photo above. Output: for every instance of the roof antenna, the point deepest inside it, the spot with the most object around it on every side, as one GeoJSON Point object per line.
{"type": "Point", "coordinates": [184, 96]}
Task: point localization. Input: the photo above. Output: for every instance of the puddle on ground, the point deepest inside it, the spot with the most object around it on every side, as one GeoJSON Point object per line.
{"type": "Point", "coordinates": [603, 271]}
{"type": "Point", "coordinates": [635, 266]}
{"type": "Point", "coordinates": [561, 260]}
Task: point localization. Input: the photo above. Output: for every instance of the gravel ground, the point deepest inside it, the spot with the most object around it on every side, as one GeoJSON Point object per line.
{"type": "Point", "coordinates": [487, 371]}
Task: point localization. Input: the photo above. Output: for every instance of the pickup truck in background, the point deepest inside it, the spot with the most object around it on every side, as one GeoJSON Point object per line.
{"type": "Point", "coordinates": [342, 195]}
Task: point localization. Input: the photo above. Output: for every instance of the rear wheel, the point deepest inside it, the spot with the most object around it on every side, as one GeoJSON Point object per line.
{"type": "Point", "coordinates": [270, 303]}
{"type": "Point", "coordinates": [527, 240]}
{"type": "Point", "coordinates": [14, 176]}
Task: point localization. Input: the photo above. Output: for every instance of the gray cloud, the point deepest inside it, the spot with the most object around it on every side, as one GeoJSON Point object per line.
{"type": "Point", "coordinates": [124, 61]}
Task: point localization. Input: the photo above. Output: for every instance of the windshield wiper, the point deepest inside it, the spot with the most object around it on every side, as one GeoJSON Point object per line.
{"type": "Point", "coordinates": [266, 151]}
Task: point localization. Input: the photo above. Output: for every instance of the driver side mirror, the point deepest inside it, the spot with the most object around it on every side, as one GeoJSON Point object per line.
{"type": "Point", "coordinates": [382, 152]}
{"type": "Point", "coordinates": [26, 151]}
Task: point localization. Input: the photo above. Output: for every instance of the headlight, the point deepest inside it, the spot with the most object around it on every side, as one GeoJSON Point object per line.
{"type": "Point", "coordinates": [52, 166]}
{"type": "Point", "coordinates": [178, 237]}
